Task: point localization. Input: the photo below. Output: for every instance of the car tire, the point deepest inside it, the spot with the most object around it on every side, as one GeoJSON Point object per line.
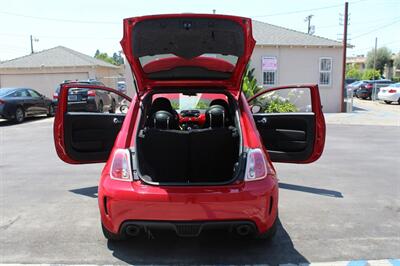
{"type": "Point", "coordinates": [19, 115]}
{"type": "Point", "coordinates": [111, 236]}
{"type": "Point", "coordinates": [100, 107]}
{"type": "Point", "coordinates": [398, 101]}
{"type": "Point", "coordinates": [51, 111]}
{"type": "Point", "coordinates": [388, 102]}
{"type": "Point", "coordinates": [270, 233]}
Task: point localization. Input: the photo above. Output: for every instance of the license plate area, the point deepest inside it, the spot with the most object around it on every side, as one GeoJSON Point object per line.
{"type": "Point", "coordinates": [72, 97]}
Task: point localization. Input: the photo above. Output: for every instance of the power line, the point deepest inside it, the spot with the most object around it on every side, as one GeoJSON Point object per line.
{"type": "Point", "coordinates": [376, 29]}
{"type": "Point", "coordinates": [305, 10]}
{"type": "Point", "coordinates": [58, 19]}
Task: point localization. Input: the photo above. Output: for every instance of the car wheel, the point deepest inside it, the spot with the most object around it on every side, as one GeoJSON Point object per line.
{"type": "Point", "coordinates": [50, 112]}
{"type": "Point", "coordinates": [269, 235]}
{"type": "Point", "coordinates": [100, 107]}
{"type": "Point", "coordinates": [111, 236]}
{"type": "Point", "coordinates": [388, 102]}
{"type": "Point", "coordinates": [113, 107]}
{"type": "Point", "coordinates": [19, 115]}
{"type": "Point", "coordinates": [398, 100]}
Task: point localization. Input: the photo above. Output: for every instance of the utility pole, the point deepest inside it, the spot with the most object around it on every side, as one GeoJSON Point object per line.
{"type": "Point", "coordinates": [31, 44]}
{"type": "Point", "coordinates": [33, 40]}
{"type": "Point", "coordinates": [343, 89]}
{"type": "Point", "coordinates": [373, 96]}
{"type": "Point", "coordinates": [308, 18]}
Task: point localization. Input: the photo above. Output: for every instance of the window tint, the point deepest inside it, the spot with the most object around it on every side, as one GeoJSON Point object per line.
{"type": "Point", "coordinates": [288, 100]}
{"type": "Point", "coordinates": [20, 93]}
{"type": "Point", "coordinates": [34, 94]}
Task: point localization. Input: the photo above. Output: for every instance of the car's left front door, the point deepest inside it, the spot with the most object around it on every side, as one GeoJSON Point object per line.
{"type": "Point", "coordinates": [82, 134]}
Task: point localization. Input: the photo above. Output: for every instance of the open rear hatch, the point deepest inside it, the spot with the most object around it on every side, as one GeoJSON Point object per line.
{"type": "Point", "coordinates": [188, 49]}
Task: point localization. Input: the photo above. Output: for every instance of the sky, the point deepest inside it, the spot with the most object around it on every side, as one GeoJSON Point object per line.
{"type": "Point", "coordinates": [86, 26]}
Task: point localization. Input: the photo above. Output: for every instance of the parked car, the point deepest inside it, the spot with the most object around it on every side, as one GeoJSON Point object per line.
{"type": "Point", "coordinates": [159, 175]}
{"type": "Point", "coordinates": [348, 81]}
{"type": "Point", "coordinates": [365, 89]}
{"type": "Point", "coordinates": [86, 100]}
{"type": "Point", "coordinates": [355, 86]}
{"type": "Point", "coordinates": [18, 103]}
{"type": "Point", "coordinates": [390, 93]}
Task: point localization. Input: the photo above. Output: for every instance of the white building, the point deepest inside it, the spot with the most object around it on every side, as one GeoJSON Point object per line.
{"type": "Point", "coordinates": [284, 57]}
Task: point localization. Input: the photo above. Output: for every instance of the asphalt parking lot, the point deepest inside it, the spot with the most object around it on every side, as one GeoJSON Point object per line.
{"type": "Point", "coordinates": [346, 206]}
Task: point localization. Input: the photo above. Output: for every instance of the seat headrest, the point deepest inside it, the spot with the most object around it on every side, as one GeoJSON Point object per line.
{"type": "Point", "coordinates": [162, 120]}
{"type": "Point", "coordinates": [215, 116]}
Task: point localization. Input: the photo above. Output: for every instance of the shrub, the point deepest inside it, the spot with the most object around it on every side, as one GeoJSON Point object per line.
{"type": "Point", "coordinates": [370, 74]}
{"type": "Point", "coordinates": [353, 72]}
{"type": "Point", "coordinates": [279, 106]}
{"type": "Point", "coordinates": [249, 83]}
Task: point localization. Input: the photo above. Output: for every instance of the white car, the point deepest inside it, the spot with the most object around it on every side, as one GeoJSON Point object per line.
{"type": "Point", "coordinates": [390, 94]}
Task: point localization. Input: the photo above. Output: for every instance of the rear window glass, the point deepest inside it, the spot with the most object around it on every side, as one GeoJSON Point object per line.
{"type": "Point", "coordinates": [200, 101]}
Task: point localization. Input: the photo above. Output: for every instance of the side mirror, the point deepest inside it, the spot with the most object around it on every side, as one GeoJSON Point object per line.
{"type": "Point", "coordinates": [255, 109]}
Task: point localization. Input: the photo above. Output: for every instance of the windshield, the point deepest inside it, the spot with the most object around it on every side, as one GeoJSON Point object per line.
{"type": "Point", "coordinates": [200, 101]}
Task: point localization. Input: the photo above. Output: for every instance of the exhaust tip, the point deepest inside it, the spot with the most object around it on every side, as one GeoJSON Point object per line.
{"type": "Point", "coordinates": [132, 230]}
{"type": "Point", "coordinates": [244, 230]}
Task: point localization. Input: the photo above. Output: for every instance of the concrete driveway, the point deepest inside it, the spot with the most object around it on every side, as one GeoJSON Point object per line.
{"type": "Point", "coordinates": [346, 206]}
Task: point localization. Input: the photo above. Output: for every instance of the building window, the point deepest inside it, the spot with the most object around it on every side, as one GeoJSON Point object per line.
{"type": "Point", "coordinates": [325, 71]}
{"type": "Point", "coordinates": [269, 66]}
{"type": "Point", "coordinates": [269, 77]}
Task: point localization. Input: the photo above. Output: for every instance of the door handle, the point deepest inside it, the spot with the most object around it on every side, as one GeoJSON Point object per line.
{"type": "Point", "coordinates": [117, 121]}
{"type": "Point", "coordinates": [262, 121]}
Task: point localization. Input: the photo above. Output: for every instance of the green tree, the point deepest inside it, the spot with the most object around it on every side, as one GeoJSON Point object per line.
{"type": "Point", "coordinates": [116, 59]}
{"type": "Point", "coordinates": [353, 72]}
{"type": "Point", "coordinates": [370, 74]}
{"type": "Point", "coordinates": [383, 56]}
{"type": "Point", "coordinates": [396, 62]}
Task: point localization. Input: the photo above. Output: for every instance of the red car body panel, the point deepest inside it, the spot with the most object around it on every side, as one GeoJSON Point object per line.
{"type": "Point", "coordinates": [204, 62]}
{"type": "Point", "coordinates": [255, 201]}
{"type": "Point", "coordinates": [143, 83]}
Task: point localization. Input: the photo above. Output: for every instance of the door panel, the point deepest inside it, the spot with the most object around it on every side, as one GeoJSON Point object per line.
{"type": "Point", "coordinates": [290, 122]}
{"type": "Point", "coordinates": [90, 136]}
{"type": "Point", "coordinates": [86, 125]}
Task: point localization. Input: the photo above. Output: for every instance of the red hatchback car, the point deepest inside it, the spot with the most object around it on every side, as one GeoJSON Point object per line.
{"type": "Point", "coordinates": [191, 153]}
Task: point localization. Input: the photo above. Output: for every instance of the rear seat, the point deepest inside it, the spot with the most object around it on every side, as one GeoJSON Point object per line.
{"type": "Point", "coordinates": [213, 152]}
{"type": "Point", "coordinates": [164, 154]}
{"type": "Point", "coordinates": [203, 155]}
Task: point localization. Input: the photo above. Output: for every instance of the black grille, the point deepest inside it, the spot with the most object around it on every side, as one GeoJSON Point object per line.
{"type": "Point", "coordinates": [189, 229]}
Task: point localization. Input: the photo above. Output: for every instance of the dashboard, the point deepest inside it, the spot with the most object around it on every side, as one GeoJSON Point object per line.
{"type": "Point", "coordinates": [192, 119]}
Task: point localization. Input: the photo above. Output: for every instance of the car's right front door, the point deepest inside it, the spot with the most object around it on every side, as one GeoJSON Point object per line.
{"type": "Point", "coordinates": [290, 122]}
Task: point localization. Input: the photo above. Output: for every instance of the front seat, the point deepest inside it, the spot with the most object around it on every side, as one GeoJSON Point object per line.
{"type": "Point", "coordinates": [215, 117]}
{"type": "Point", "coordinates": [224, 104]}
{"type": "Point", "coordinates": [163, 104]}
{"type": "Point", "coordinates": [162, 120]}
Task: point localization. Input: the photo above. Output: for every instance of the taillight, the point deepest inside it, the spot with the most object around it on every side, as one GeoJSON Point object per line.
{"type": "Point", "coordinates": [2, 102]}
{"type": "Point", "coordinates": [392, 91]}
{"type": "Point", "coordinates": [91, 93]}
{"type": "Point", "coordinates": [121, 165]}
{"type": "Point", "coordinates": [55, 96]}
{"type": "Point", "coordinates": [368, 86]}
{"type": "Point", "coordinates": [256, 167]}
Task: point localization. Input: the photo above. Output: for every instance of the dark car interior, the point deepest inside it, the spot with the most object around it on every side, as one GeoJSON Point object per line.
{"type": "Point", "coordinates": [169, 152]}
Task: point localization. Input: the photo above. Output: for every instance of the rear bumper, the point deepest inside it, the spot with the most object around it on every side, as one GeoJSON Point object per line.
{"type": "Point", "coordinates": [123, 203]}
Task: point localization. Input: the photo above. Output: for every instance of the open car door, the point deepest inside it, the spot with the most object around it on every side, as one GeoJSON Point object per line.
{"type": "Point", "coordinates": [87, 122]}
{"type": "Point", "coordinates": [290, 122]}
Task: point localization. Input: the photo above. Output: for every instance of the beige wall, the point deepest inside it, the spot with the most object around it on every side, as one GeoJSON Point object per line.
{"type": "Point", "coordinates": [299, 65]}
